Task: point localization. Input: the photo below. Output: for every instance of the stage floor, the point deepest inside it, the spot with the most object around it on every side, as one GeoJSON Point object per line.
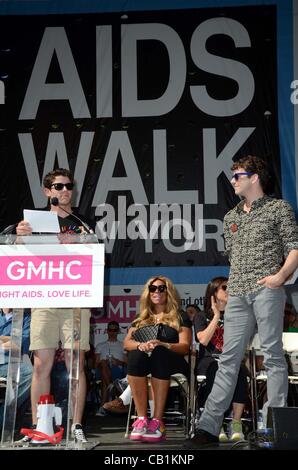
{"type": "Point", "coordinates": [107, 435]}
{"type": "Point", "coordinates": [110, 431]}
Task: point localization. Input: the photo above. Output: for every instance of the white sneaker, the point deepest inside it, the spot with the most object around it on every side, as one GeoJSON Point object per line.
{"type": "Point", "coordinates": [24, 441]}
{"type": "Point", "coordinates": [222, 436]}
{"type": "Point", "coordinates": [236, 431]}
{"type": "Point", "coordinates": [78, 434]}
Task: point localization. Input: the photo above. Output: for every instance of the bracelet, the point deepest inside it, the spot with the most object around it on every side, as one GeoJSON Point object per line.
{"type": "Point", "coordinates": [138, 346]}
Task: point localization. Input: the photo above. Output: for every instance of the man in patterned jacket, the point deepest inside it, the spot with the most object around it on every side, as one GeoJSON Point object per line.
{"type": "Point", "coordinates": [262, 244]}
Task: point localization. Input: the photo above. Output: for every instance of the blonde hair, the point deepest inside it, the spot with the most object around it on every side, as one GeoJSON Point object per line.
{"type": "Point", "coordinates": [171, 315]}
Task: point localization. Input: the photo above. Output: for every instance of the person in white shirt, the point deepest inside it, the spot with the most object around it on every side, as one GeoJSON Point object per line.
{"type": "Point", "coordinates": [110, 359]}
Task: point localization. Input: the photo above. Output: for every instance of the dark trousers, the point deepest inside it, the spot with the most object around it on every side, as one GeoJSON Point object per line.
{"type": "Point", "coordinates": [241, 390]}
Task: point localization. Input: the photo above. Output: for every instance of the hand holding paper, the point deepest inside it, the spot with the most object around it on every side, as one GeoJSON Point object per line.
{"type": "Point", "coordinates": [42, 221]}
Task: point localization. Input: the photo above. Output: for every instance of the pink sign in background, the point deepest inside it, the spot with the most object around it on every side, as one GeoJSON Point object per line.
{"type": "Point", "coordinates": [121, 308]}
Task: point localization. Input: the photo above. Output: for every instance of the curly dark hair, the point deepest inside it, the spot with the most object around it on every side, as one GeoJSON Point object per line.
{"type": "Point", "coordinates": [255, 165]}
{"type": "Point", "coordinates": [49, 178]}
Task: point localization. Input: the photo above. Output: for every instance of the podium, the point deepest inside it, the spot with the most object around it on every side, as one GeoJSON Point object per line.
{"type": "Point", "coordinates": [57, 271]}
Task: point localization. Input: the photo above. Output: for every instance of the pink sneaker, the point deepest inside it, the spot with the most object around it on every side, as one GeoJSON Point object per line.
{"type": "Point", "coordinates": [139, 428]}
{"type": "Point", "coordinates": [156, 431]}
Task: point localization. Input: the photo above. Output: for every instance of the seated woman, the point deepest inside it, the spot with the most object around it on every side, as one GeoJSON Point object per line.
{"type": "Point", "coordinates": [209, 328]}
{"type": "Point", "coordinates": [160, 357]}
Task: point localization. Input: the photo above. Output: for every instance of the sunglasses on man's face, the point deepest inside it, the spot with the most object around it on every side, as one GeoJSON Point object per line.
{"type": "Point", "coordinates": [236, 176]}
{"type": "Point", "coordinates": [113, 329]}
{"type": "Point", "coordinates": [161, 288]}
{"type": "Point", "coordinates": [60, 186]}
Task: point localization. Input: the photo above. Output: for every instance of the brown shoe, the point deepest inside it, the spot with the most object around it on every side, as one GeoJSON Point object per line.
{"type": "Point", "coordinates": [116, 406]}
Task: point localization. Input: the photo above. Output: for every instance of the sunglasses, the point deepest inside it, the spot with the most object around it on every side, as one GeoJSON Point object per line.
{"type": "Point", "coordinates": [113, 329]}
{"type": "Point", "coordinates": [236, 176]}
{"type": "Point", "coordinates": [223, 287]}
{"type": "Point", "coordinates": [60, 186]}
{"type": "Point", "coordinates": [161, 288]}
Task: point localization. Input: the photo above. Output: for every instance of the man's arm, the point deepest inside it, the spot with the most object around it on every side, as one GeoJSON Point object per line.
{"type": "Point", "coordinates": [286, 271]}
{"type": "Point", "coordinates": [228, 235]}
{"type": "Point", "coordinates": [288, 233]}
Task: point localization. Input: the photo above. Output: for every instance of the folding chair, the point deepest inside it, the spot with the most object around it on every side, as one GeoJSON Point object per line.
{"type": "Point", "coordinates": [200, 380]}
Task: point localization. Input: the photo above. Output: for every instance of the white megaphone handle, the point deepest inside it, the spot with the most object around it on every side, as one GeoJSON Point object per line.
{"type": "Point", "coordinates": [58, 415]}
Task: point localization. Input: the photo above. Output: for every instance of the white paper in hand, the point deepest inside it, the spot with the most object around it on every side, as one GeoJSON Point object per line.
{"type": "Point", "coordinates": [42, 221]}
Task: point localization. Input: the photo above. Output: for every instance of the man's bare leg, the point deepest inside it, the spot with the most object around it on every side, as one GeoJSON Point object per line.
{"type": "Point", "coordinates": [41, 377]}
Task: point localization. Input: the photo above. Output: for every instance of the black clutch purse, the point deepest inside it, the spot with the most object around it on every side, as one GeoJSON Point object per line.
{"type": "Point", "coordinates": [146, 333]}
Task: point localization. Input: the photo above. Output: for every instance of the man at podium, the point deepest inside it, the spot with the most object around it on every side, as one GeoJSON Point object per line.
{"type": "Point", "coordinates": [51, 325]}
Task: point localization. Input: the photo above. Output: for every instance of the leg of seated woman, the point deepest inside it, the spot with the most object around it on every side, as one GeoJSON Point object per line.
{"type": "Point", "coordinates": [164, 363]}
{"type": "Point", "coordinates": [160, 390]}
{"type": "Point", "coordinates": [238, 409]}
{"type": "Point", "coordinates": [139, 392]}
{"type": "Point", "coordinates": [210, 376]}
{"type": "Point", "coordinates": [240, 396]}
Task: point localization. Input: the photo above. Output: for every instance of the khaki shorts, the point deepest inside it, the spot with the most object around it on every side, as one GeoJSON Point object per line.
{"type": "Point", "coordinates": [51, 325]}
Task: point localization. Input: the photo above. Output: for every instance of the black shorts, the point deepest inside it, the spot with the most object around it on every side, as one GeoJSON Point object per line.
{"type": "Point", "coordinates": [161, 364]}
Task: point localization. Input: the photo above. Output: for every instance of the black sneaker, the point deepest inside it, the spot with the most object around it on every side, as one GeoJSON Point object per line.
{"type": "Point", "coordinates": [101, 412]}
{"type": "Point", "coordinates": [78, 434]}
{"type": "Point", "coordinates": [201, 440]}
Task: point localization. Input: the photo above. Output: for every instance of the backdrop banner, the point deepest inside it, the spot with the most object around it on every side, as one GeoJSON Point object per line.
{"type": "Point", "coordinates": [148, 109]}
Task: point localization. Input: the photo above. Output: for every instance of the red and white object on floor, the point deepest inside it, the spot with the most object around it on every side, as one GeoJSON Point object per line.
{"type": "Point", "coordinates": [48, 416]}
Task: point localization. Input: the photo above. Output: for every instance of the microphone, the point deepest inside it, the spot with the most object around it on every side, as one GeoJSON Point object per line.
{"type": "Point", "coordinates": [55, 202]}
{"type": "Point", "coordinates": [9, 230]}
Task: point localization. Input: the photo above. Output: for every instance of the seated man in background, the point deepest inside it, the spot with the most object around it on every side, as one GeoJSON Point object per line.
{"type": "Point", "coordinates": [118, 405]}
{"type": "Point", "coordinates": [25, 365]}
{"type": "Point", "coordinates": [110, 359]}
